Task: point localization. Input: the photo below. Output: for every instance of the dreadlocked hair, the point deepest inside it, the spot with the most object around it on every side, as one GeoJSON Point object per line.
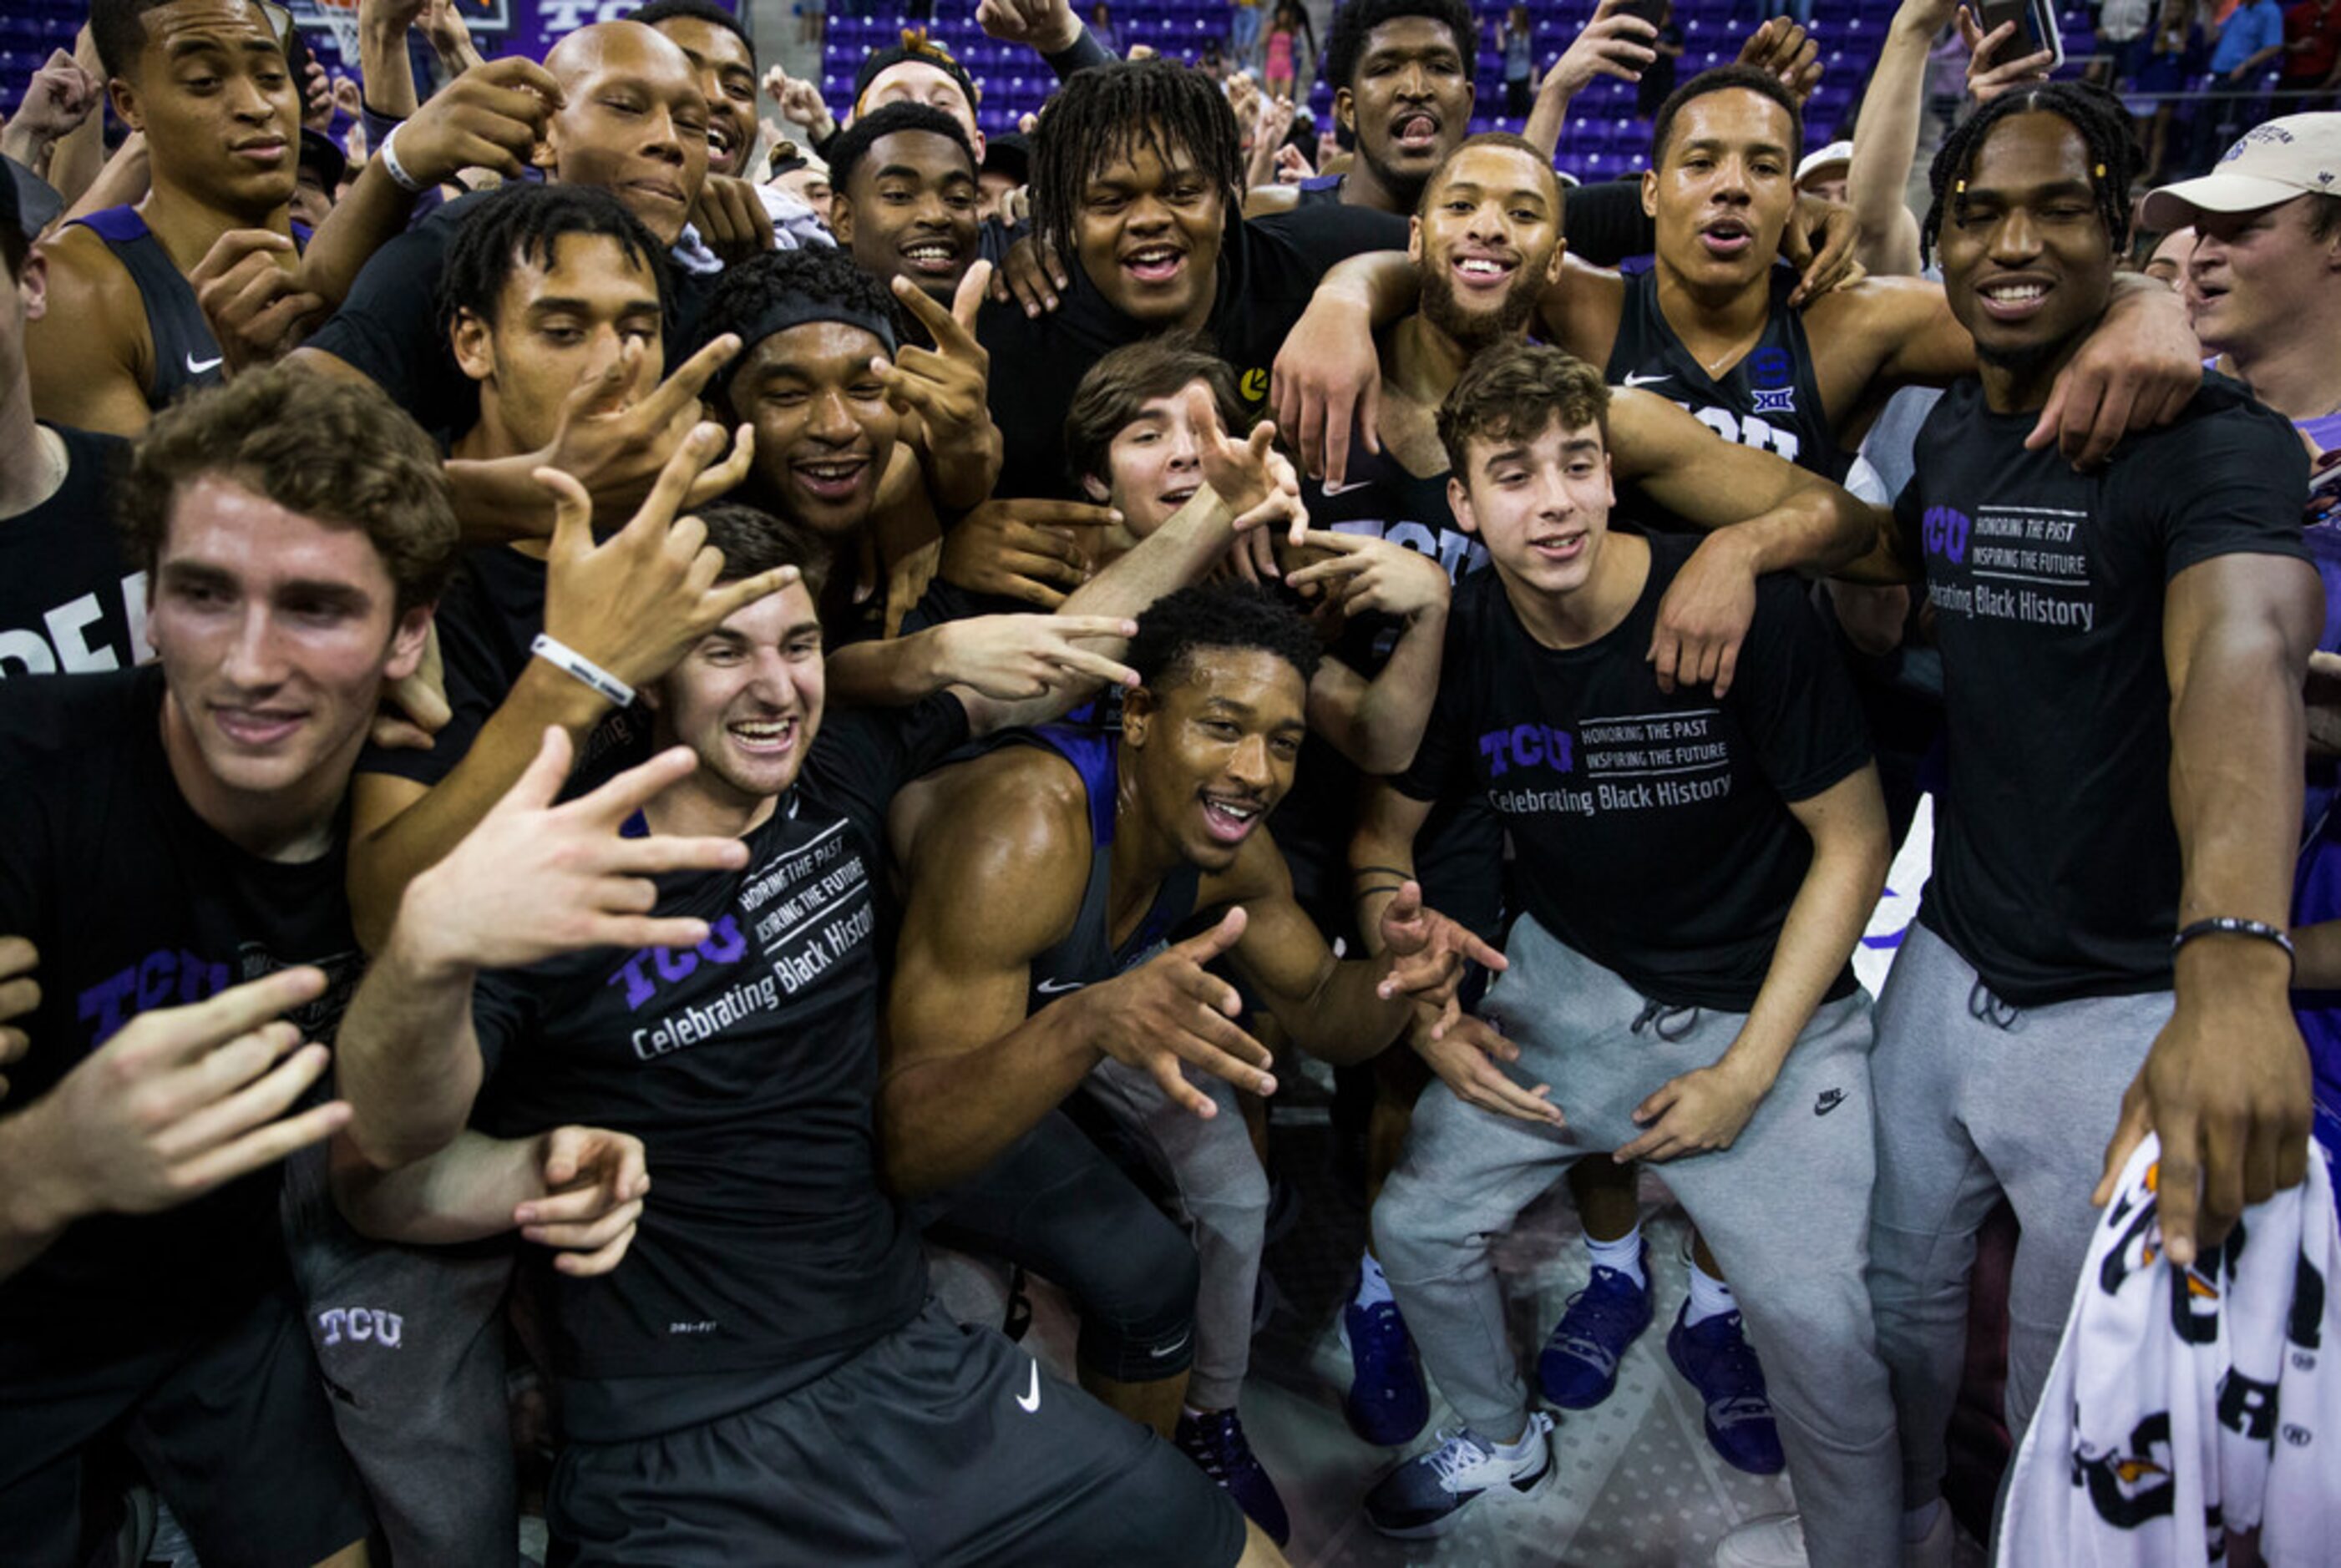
{"type": "Point", "coordinates": [1108, 113]}
{"type": "Point", "coordinates": [2096, 113]}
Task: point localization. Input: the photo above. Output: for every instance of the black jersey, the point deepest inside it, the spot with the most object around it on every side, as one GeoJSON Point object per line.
{"type": "Point", "coordinates": [1652, 827]}
{"type": "Point", "coordinates": [69, 602]}
{"type": "Point", "coordinates": [1089, 954]}
{"type": "Point", "coordinates": [748, 1066]}
{"type": "Point", "coordinates": [137, 903]}
{"type": "Point", "coordinates": [1319, 191]}
{"type": "Point", "coordinates": [1769, 400]}
{"type": "Point", "coordinates": [185, 353]}
{"type": "Point", "coordinates": [2057, 865]}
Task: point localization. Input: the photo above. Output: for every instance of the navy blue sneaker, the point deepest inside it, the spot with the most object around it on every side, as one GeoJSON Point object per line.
{"type": "Point", "coordinates": [1387, 1404]}
{"type": "Point", "coordinates": [1427, 1493]}
{"type": "Point", "coordinates": [1215, 1442]}
{"type": "Point", "coordinates": [1580, 1365]}
{"type": "Point", "coordinates": [1721, 1365]}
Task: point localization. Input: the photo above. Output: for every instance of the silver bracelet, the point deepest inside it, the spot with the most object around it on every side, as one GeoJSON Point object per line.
{"type": "Point", "coordinates": [568, 660]}
{"type": "Point", "coordinates": [393, 168]}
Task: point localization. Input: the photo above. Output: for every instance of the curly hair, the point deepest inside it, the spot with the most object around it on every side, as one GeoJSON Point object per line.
{"type": "Point", "coordinates": [1108, 113]}
{"type": "Point", "coordinates": [1233, 615]}
{"type": "Point", "coordinates": [1514, 391]}
{"type": "Point", "coordinates": [340, 452]}
{"type": "Point", "coordinates": [1345, 43]}
{"type": "Point", "coordinates": [520, 224]}
{"type": "Point", "coordinates": [2104, 127]}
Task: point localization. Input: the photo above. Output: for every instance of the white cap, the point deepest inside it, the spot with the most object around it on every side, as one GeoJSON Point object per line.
{"type": "Point", "coordinates": [1835, 154]}
{"type": "Point", "coordinates": [2270, 163]}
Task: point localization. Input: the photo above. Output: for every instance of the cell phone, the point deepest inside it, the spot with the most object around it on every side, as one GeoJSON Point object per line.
{"type": "Point", "coordinates": [2036, 28]}
{"type": "Point", "coordinates": [1652, 11]}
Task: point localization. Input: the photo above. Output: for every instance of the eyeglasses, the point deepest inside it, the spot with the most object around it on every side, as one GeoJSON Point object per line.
{"type": "Point", "coordinates": [280, 22]}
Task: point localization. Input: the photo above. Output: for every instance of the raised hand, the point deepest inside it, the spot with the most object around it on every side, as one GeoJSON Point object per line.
{"type": "Point", "coordinates": [1022, 550]}
{"type": "Point", "coordinates": [1820, 243]}
{"type": "Point", "coordinates": [19, 995]}
{"type": "Point", "coordinates": [257, 310]}
{"type": "Point", "coordinates": [182, 1100]}
{"type": "Point", "coordinates": [1988, 75]}
{"type": "Point", "coordinates": [536, 879]}
{"type": "Point", "coordinates": [1171, 1013]}
{"type": "Point", "coordinates": [1254, 482]}
{"type": "Point", "coordinates": [1292, 165]}
{"type": "Point", "coordinates": [1368, 575]}
{"type": "Point", "coordinates": [594, 1182]}
{"type": "Point", "coordinates": [1611, 44]}
{"type": "Point", "coordinates": [1464, 1051]}
{"type": "Point", "coordinates": [799, 100]}
{"type": "Point", "coordinates": [732, 218]}
{"type": "Point", "coordinates": [1782, 48]}
{"type": "Point", "coordinates": [616, 445]}
{"type": "Point", "coordinates": [1049, 26]}
{"type": "Point", "coordinates": [1427, 951]}
{"type": "Point", "coordinates": [316, 97]}
{"type": "Point", "coordinates": [1018, 658]}
{"type": "Point", "coordinates": [946, 386]}
{"type": "Point", "coordinates": [490, 117]}
{"type": "Point", "coordinates": [637, 602]}
{"type": "Point", "coordinates": [59, 97]}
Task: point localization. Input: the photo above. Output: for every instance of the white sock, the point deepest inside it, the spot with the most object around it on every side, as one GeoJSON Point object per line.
{"type": "Point", "coordinates": [1710, 1296]}
{"type": "Point", "coordinates": [1918, 1522]}
{"type": "Point", "coordinates": [1624, 1255]}
{"type": "Point", "coordinates": [1514, 1452]}
{"type": "Point", "coordinates": [1372, 1287]}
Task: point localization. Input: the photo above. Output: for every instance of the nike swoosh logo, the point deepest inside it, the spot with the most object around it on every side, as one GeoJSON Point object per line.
{"type": "Point", "coordinates": [1172, 1349]}
{"type": "Point", "coordinates": [196, 367]}
{"type": "Point", "coordinates": [1030, 1399]}
{"type": "Point", "coordinates": [1641, 381]}
{"type": "Point", "coordinates": [1057, 987]}
{"type": "Point", "coordinates": [1330, 491]}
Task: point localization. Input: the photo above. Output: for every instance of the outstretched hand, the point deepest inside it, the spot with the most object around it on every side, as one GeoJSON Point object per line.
{"type": "Point", "coordinates": [1171, 1013]}
{"type": "Point", "coordinates": [1426, 952]}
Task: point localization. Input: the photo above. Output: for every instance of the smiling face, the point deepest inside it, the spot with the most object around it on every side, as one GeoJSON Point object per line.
{"type": "Point", "coordinates": [727, 80]}
{"type": "Point", "coordinates": [1410, 103]}
{"type": "Point", "coordinates": [276, 632]}
{"type": "Point", "coordinates": [2253, 277]}
{"type": "Point", "coordinates": [1540, 503]}
{"type": "Point", "coordinates": [558, 327]}
{"type": "Point", "coordinates": [1214, 749]}
{"type": "Point", "coordinates": [824, 430]}
{"type": "Point", "coordinates": [911, 212]}
{"type": "Point", "coordinates": [1489, 243]}
{"type": "Point", "coordinates": [747, 699]}
{"type": "Point", "coordinates": [1147, 231]}
{"type": "Point", "coordinates": [1155, 463]}
{"type": "Point", "coordinates": [2027, 263]}
{"type": "Point", "coordinates": [2168, 262]}
{"type": "Point", "coordinates": [1721, 193]}
{"type": "Point", "coordinates": [634, 122]}
{"type": "Point", "coordinates": [222, 115]}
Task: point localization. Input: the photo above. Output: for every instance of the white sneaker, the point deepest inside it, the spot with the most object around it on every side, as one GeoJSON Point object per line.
{"type": "Point", "coordinates": [1427, 1494]}
{"type": "Point", "coordinates": [1775, 1541]}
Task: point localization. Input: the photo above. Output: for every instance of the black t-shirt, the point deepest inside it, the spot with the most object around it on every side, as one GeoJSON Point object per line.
{"type": "Point", "coordinates": [1652, 829]}
{"type": "Point", "coordinates": [135, 903]}
{"type": "Point", "coordinates": [748, 1067]}
{"type": "Point", "coordinates": [487, 618]}
{"type": "Point", "coordinates": [389, 327]}
{"type": "Point", "coordinates": [69, 602]}
{"type": "Point", "coordinates": [1268, 268]}
{"type": "Point", "coordinates": [2057, 871]}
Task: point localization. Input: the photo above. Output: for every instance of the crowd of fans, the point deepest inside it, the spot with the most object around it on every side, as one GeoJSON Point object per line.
{"type": "Point", "coordinates": [620, 716]}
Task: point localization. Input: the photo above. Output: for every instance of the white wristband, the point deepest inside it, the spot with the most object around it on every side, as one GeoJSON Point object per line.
{"type": "Point", "coordinates": [568, 660]}
{"type": "Point", "coordinates": [393, 168]}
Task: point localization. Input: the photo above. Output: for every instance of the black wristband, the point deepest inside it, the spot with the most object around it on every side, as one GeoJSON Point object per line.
{"type": "Point", "coordinates": [2234, 926]}
{"type": "Point", "coordinates": [1364, 893]}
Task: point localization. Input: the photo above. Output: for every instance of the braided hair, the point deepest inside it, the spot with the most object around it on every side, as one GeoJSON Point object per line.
{"type": "Point", "coordinates": [2104, 127]}
{"type": "Point", "coordinates": [1109, 112]}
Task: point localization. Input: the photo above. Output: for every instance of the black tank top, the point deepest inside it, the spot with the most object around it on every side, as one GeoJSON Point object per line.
{"type": "Point", "coordinates": [1319, 191]}
{"type": "Point", "coordinates": [1769, 401]}
{"type": "Point", "coordinates": [185, 352]}
{"type": "Point", "coordinates": [1088, 954]}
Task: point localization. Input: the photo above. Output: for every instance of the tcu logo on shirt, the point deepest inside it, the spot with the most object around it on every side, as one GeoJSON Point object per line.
{"type": "Point", "coordinates": [1528, 746]}
{"type": "Point", "coordinates": [650, 968]}
{"type": "Point", "coordinates": [1943, 531]}
{"type": "Point", "coordinates": [359, 1324]}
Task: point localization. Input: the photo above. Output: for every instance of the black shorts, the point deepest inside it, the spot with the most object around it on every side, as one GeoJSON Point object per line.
{"type": "Point", "coordinates": [231, 1426]}
{"type": "Point", "coordinates": [940, 1445]}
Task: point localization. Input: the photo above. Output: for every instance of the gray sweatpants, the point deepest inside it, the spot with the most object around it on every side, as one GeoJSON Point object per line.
{"type": "Point", "coordinates": [1785, 1209]}
{"type": "Point", "coordinates": [1222, 1192]}
{"type": "Point", "coordinates": [1977, 1098]}
{"type": "Point", "coordinates": [411, 1344]}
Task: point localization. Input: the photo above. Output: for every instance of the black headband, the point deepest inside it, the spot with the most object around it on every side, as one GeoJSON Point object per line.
{"type": "Point", "coordinates": [794, 310]}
